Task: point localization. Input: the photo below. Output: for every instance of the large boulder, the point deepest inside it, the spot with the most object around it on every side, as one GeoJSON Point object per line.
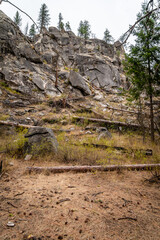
{"type": "Point", "coordinates": [77, 81]}
{"type": "Point", "coordinates": [40, 140]}
{"type": "Point", "coordinates": [98, 71]}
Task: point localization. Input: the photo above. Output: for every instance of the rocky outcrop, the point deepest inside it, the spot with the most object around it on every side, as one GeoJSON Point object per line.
{"type": "Point", "coordinates": [56, 62]}
{"type": "Point", "coordinates": [21, 67]}
{"type": "Point", "coordinates": [98, 71]}
{"type": "Point", "coordinates": [13, 41]}
{"type": "Point", "coordinates": [97, 61]}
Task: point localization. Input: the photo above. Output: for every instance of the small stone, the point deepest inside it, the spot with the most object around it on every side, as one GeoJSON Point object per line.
{"type": "Point", "coordinates": [11, 164]}
{"type": "Point", "coordinates": [88, 132]}
{"type": "Point", "coordinates": [86, 199]}
{"type": "Point", "coordinates": [60, 237]}
{"type": "Point", "coordinates": [28, 157]}
{"type": "Point", "coordinates": [86, 220]}
{"type": "Point", "coordinates": [10, 224]}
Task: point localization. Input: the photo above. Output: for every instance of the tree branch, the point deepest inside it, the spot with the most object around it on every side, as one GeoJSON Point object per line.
{"type": "Point", "coordinates": [21, 11]}
{"type": "Point", "coordinates": [130, 30]}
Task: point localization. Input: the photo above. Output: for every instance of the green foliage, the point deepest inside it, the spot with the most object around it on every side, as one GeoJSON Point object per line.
{"type": "Point", "coordinates": [5, 86]}
{"type": "Point", "coordinates": [18, 19]}
{"type": "Point", "coordinates": [41, 149]}
{"type": "Point", "coordinates": [44, 17]}
{"type": "Point", "coordinates": [84, 29]}
{"type": "Point", "coordinates": [107, 37]}
{"type": "Point", "coordinates": [60, 23]}
{"type": "Point", "coordinates": [32, 31]}
{"type": "Point", "coordinates": [68, 27]}
{"type": "Point", "coordinates": [15, 146]}
{"type": "Point", "coordinates": [4, 117]}
{"type": "Point", "coordinates": [142, 62]}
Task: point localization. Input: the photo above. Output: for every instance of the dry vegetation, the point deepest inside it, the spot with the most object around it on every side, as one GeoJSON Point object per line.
{"type": "Point", "coordinates": [82, 147]}
{"type": "Point", "coordinates": [109, 206]}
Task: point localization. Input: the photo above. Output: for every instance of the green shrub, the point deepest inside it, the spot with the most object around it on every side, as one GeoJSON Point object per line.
{"type": "Point", "coordinates": [15, 146]}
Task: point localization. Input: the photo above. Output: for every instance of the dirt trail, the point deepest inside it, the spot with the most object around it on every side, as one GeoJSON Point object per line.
{"type": "Point", "coordinates": [102, 206]}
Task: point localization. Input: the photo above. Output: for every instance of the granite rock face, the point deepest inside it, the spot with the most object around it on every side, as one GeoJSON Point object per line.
{"type": "Point", "coordinates": [13, 41]}
{"type": "Point", "coordinates": [56, 62]}
{"type": "Point", "coordinates": [79, 82]}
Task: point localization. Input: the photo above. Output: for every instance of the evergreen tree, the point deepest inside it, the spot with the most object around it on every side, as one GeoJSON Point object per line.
{"type": "Point", "coordinates": [68, 27]}
{"type": "Point", "coordinates": [60, 23]}
{"type": "Point", "coordinates": [81, 29]}
{"type": "Point", "coordinates": [44, 17]}
{"type": "Point", "coordinates": [26, 30]}
{"type": "Point", "coordinates": [143, 61]}
{"type": "Point", "coordinates": [32, 31]}
{"type": "Point", "coordinates": [18, 19]}
{"type": "Point", "coordinates": [107, 37]}
{"type": "Point", "coordinates": [84, 29]}
{"type": "Point", "coordinates": [87, 30]}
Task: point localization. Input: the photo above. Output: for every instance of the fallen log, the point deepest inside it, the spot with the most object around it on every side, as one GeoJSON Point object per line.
{"type": "Point", "coordinates": [83, 169]}
{"type": "Point", "coordinates": [121, 110]}
{"type": "Point", "coordinates": [108, 122]}
{"type": "Point", "coordinates": [147, 152]}
{"type": "Point", "coordinates": [7, 123]}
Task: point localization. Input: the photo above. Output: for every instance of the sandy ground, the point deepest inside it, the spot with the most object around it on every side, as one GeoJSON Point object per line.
{"type": "Point", "coordinates": [77, 206]}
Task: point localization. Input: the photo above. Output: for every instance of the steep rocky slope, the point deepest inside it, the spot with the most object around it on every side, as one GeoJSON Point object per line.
{"type": "Point", "coordinates": [56, 62]}
{"type": "Point", "coordinates": [59, 65]}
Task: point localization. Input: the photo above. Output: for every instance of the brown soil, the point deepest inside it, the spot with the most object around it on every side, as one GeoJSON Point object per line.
{"type": "Point", "coordinates": [102, 206]}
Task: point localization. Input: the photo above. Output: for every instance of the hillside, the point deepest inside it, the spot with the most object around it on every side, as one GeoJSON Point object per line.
{"type": "Point", "coordinates": [68, 91]}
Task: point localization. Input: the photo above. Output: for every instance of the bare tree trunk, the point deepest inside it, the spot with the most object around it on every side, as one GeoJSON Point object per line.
{"type": "Point", "coordinates": [140, 118]}
{"type": "Point", "coordinates": [150, 93]}
{"type": "Point", "coordinates": [151, 101]}
{"type": "Point", "coordinates": [152, 118]}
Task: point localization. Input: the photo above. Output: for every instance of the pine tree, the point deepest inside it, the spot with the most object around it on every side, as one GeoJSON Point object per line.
{"type": "Point", "coordinates": [143, 61]}
{"type": "Point", "coordinates": [84, 29]}
{"type": "Point", "coordinates": [81, 29]}
{"type": "Point", "coordinates": [44, 17]}
{"type": "Point", "coordinates": [60, 22]}
{"type": "Point", "coordinates": [108, 37]}
{"type": "Point", "coordinates": [18, 19]}
{"type": "Point", "coordinates": [32, 31]}
{"type": "Point", "coordinates": [68, 27]}
{"type": "Point", "coordinates": [87, 30]}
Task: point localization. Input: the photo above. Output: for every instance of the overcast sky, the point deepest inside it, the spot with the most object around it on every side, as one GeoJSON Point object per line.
{"type": "Point", "coordinates": [116, 15]}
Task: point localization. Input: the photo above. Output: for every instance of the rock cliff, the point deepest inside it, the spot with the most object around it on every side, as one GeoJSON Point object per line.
{"type": "Point", "coordinates": [55, 63]}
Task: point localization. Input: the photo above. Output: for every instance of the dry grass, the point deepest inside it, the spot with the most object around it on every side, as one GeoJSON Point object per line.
{"type": "Point", "coordinates": [71, 149]}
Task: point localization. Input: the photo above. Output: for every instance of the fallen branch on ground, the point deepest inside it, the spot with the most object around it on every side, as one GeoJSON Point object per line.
{"type": "Point", "coordinates": [128, 218]}
{"type": "Point", "coordinates": [108, 122]}
{"type": "Point", "coordinates": [147, 152]}
{"type": "Point", "coordinates": [16, 124]}
{"type": "Point", "coordinates": [83, 169]}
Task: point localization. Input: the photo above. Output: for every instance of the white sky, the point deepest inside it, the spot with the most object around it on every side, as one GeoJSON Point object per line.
{"type": "Point", "coordinates": [116, 15]}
